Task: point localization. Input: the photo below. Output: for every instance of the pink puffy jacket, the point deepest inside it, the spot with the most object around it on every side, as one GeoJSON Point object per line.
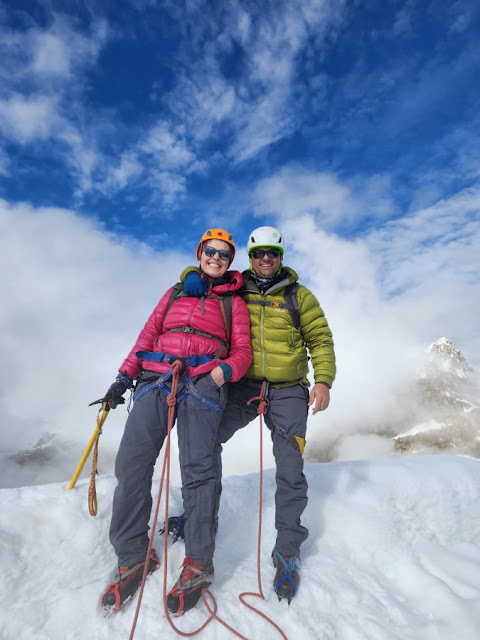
{"type": "Point", "coordinates": [187, 312]}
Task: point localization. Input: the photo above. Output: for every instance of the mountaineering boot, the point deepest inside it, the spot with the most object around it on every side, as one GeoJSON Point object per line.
{"type": "Point", "coordinates": [126, 582]}
{"type": "Point", "coordinates": [287, 577]}
{"type": "Point", "coordinates": [188, 588]}
{"type": "Point", "coordinates": [176, 527]}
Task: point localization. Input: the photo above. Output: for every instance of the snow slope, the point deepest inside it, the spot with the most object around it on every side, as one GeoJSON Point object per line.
{"type": "Point", "coordinates": [393, 553]}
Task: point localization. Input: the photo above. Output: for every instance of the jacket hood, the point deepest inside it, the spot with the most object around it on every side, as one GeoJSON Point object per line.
{"type": "Point", "coordinates": [235, 283]}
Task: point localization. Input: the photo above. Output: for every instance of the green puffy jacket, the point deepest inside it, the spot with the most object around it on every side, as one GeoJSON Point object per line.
{"type": "Point", "coordinates": [279, 349]}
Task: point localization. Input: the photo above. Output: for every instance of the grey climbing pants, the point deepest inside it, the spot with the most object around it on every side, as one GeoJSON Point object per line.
{"type": "Point", "coordinates": [288, 409]}
{"type": "Point", "coordinates": [145, 432]}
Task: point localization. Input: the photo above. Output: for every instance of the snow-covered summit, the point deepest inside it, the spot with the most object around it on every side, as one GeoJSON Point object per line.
{"type": "Point", "coordinates": [438, 411]}
{"type": "Point", "coordinates": [445, 358]}
{"type": "Point", "coordinates": [392, 554]}
{"type": "Point", "coordinates": [445, 405]}
{"type": "Point", "coordinates": [448, 378]}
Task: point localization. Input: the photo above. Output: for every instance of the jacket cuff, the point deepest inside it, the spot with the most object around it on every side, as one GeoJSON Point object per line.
{"type": "Point", "coordinates": [188, 270]}
{"type": "Point", "coordinates": [227, 371]}
{"type": "Point", "coordinates": [125, 378]}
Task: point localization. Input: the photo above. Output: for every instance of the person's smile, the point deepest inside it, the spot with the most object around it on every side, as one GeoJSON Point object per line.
{"type": "Point", "coordinates": [266, 266]}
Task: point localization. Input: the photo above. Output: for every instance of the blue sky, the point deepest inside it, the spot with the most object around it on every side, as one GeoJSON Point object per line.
{"type": "Point", "coordinates": [128, 128]}
{"type": "Point", "coordinates": [146, 115]}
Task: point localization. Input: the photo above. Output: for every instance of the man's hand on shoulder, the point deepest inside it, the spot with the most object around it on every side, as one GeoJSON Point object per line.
{"type": "Point", "coordinates": [195, 285]}
{"type": "Point", "coordinates": [319, 397]}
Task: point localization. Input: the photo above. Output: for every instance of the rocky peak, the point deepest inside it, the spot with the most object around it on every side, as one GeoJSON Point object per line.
{"type": "Point", "coordinates": [448, 379]}
{"type": "Point", "coordinates": [438, 412]}
{"type": "Point", "coordinates": [446, 405]}
{"type": "Point", "coordinates": [443, 358]}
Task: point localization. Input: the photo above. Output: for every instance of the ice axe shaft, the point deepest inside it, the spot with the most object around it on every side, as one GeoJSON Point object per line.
{"type": "Point", "coordinates": [100, 420]}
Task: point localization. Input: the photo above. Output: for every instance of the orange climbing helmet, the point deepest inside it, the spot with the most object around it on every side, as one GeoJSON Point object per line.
{"type": "Point", "coordinates": [216, 234]}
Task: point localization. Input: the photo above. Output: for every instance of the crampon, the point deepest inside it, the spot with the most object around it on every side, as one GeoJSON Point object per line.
{"type": "Point", "coordinates": [175, 527]}
{"type": "Point", "coordinates": [125, 584]}
{"type": "Point", "coordinates": [287, 577]}
{"type": "Point", "coordinates": [188, 588]}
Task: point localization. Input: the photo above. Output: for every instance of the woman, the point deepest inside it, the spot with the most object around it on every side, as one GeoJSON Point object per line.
{"type": "Point", "coordinates": [195, 329]}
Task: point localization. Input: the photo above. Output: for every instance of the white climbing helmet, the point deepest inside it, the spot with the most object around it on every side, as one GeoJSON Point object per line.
{"type": "Point", "coordinates": [265, 237]}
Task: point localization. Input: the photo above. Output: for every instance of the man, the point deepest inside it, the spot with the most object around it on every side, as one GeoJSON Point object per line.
{"type": "Point", "coordinates": [279, 370]}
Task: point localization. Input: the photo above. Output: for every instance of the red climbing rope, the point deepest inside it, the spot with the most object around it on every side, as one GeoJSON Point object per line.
{"type": "Point", "coordinates": [171, 401]}
{"type": "Point", "coordinates": [261, 410]}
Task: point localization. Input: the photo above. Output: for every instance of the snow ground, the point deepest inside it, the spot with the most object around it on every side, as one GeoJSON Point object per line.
{"type": "Point", "coordinates": [393, 554]}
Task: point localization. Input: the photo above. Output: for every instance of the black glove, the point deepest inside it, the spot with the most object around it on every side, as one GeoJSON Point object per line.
{"type": "Point", "coordinates": [115, 394]}
{"type": "Point", "coordinates": [116, 391]}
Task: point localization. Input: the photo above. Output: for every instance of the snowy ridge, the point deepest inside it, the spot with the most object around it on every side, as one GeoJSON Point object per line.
{"type": "Point", "coordinates": [393, 554]}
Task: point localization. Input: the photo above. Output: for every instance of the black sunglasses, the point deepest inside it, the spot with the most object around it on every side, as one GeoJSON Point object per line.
{"type": "Point", "coordinates": [258, 254]}
{"type": "Point", "coordinates": [223, 253]}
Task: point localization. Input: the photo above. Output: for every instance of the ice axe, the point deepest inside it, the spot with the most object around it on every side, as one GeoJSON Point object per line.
{"type": "Point", "coordinates": [101, 417]}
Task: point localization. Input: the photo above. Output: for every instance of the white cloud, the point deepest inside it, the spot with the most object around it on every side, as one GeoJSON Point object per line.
{"type": "Point", "coordinates": [201, 100]}
{"type": "Point", "coordinates": [128, 169]}
{"type": "Point", "coordinates": [261, 124]}
{"type": "Point", "coordinates": [25, 119]}
{"type": "Point", "coordinates": [50, 58]}
{"type": "Point", "coordinates": [172, 186]}
{"type": "Point", "coordinates": [4, 162]}
{"type": "Point", "coordinates": [257, 106]}
{"type": "Point", "coordinates": [273, 52]}
{"type": "Point", "coordinates": [162, 159]}
{"type": "Point", "coordinates": [402, 25]}
{"type": "Point", "coordinates": [45, 94]}
{"type": "Point", "coordinates": [58, 51]}
{"type": "Point", "coordinates": [294, 190]}
{"type": "Point", "coordinates": [73, 302]}
{"type": "Point", "coordinates": [76, 297]}
{"type": "Point", "coordinates": [42, 92]}
{"type": "Point", "coordinates": [433, 246]}
{"type": "Point", "coordinates": [291, 191]}
{"type": "Point", "coordinates": [462, 13]}
{"type": "Point", "coordinates": [386, 295]}
{"type": "Point", "coordinates": [168, 146]}
{"type": "Point", "coordinates": [51, 55]}
{"type": "Point", "coordinates": [376, 348]}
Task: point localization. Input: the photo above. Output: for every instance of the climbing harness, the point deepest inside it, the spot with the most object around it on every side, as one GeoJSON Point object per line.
{"type": "Point", "coordinates": [168, 358]}
{"type": "Point", "coordinates": [190, 388]}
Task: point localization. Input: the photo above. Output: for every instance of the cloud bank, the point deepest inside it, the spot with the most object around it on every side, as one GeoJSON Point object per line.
{"type": "Point", "coordinates": [77, 295]}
